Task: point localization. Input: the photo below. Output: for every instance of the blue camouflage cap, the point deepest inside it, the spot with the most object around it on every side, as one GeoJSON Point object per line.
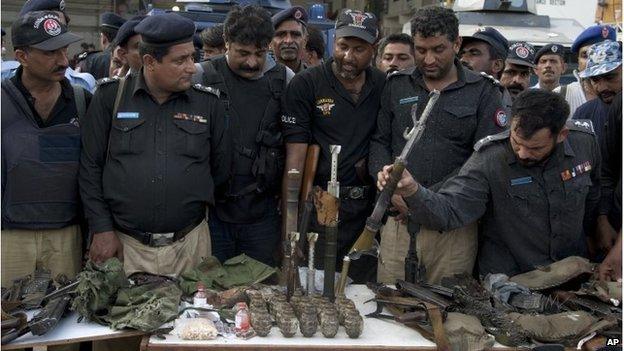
{"type": "Point", "coordinates": [593, 35]}
{"type": "Point", "coordinates": [604, 57]}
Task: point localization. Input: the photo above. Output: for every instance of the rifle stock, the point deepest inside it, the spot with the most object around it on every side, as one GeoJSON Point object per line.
{"type": "Point", "coordinates": [366, 240]}
{"type": "Point", "coordinates": [309, 172]}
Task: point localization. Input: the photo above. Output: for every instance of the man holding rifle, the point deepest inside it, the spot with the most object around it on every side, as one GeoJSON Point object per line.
{"type": "Point", "coordinates": [535, 188]}
{"type": "Point", "coordinates": [469, 108]}
{"type": "Point", "coordinates": [337, 104]}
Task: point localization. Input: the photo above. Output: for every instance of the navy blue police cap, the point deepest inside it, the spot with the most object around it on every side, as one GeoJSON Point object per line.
{"type": "Point", "coordinates": [592, 35]}
{"type": "Point", "coordinates": [296, 13]}
{"type": "Point", "coordinates": [112, 20]}
{"type": "Point", "coordinates": [126, 31]}
{"type": "Point", "coordinates": [491, 36]}
{"type": "Point", "coordinates": [166, 29]}
{"type": "Point", "coordinates": [550, 49]}
{"type": "Point", "coordinates": [44, 5]}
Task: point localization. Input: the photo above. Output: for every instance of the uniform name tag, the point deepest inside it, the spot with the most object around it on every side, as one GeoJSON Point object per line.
{"type": "Point", "coordinates": [521, 181]}
{"type": "Point", "coordinates": [127, 115]}
{"type": "Point", "coordinates": [408, 100]}
{"type": "Point", "coordinates": [188, 117]}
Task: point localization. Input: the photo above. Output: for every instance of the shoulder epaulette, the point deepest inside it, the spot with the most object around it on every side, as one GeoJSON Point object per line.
{"type": "Point", "coordinates": [491, 79]}
{"type": "Point", "coordinates": [403, 72]}
{"type": "Point", "coordinates": [581, 125]}
{"type": "Point", "coordinates": [207, 89]}
{"type": "Point", "coordinates": [107, 80]}
{"type": "Point", "coordinates": [488, 140]}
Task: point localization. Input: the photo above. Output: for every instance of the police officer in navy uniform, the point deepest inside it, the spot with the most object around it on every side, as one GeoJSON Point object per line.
{"type": "Point", "coordinates": [469, 108]}
{"type": "Point", "coordinates": [535, 188]}
{"type": "Point", "coordinates": [290, 37]}
{"type": "Point", "coordinates": [154, 148]}
{"type": "Point", "coordinates": [336, 103]}
{"type": "Point", "coordinates": [549, 66]}
{"type": "Point", "coordinates": [98, 62]}
{"type": "Point", "coordinates": [251, 87]}
{"type": "Point", "coordinates": [518, 66]}
{"type": "Point", "coordinates": [41, 114]}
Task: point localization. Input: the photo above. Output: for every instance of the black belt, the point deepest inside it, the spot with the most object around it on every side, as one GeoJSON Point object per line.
{"type": "Point", "coordinates": [159, 239]}
{"type": "Point", "coordinates": [354, 192]}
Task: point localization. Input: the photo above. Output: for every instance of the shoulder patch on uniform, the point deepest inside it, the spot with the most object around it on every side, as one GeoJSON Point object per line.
{"type": "Point", "coordinates": [207, 89]}
{"type": "Point", "coordinates": [490, 139]}
{"type": "Point", "coordinates": [581, 125]}
{"type": "Point", "coordinates": [500, 118]}
{"type": "Point", "coordinates": [107, 80]}
{"type": "Point", "coordinates": [490, 78]}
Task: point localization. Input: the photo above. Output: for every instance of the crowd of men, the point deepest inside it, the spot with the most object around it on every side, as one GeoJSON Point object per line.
{"type": "Point", "coordinates": [176, 155]}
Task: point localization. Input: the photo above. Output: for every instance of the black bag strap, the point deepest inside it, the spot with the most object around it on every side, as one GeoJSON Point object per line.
{"type": "Point", "coordinates": [118, 96]}
{"type": "Point", "coordinates": [563, 91]}
{"type": "Point", "coordinates": [81, 100]}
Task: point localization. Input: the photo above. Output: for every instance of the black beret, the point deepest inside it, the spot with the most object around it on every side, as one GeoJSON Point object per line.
{"type": "Point", "coordinates": [550, 49]}
{"type": "Point", "coordinates": [166, 29]}
{"type": "Point", "coordinates": [112, 20]}
{"type": "Point", "coordinates": [127, 30]}
{"type": "Point", "coordinates": [44, 5]}
{"type": "Point", "coordinates": [296, 13]}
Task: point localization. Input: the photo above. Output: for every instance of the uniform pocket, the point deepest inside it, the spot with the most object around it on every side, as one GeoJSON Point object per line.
{"type": "Point", "coordinates": [126, 138]}
{"type": "Point", "coordinates": [460, 121]}
{"type": "Point", "coordinates": [576, 190]}
{"type": "Point", "coordinates": [526, 199]}
{"type": "Point", "coordinates": [194, 138]}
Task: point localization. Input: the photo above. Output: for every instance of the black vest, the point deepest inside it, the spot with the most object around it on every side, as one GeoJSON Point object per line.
{"type": "Point", "coordinates": [39, 167]}
{"type": "Point", "coordinates": [266, 161]}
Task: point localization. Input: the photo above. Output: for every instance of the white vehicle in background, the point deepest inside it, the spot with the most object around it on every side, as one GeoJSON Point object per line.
{"type": "Point", "coordinates": [520, 20]}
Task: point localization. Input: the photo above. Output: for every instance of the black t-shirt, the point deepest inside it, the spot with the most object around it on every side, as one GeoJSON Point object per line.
{"type": "Point", "coordinates": [64, 109]}
{"type": "Point", "coordinates": [320, 110]}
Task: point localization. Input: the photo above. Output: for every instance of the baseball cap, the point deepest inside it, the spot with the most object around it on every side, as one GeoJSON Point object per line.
{"type": "Point", "coordinates": [296, 13]}
{"type": "Point", "coordinates": [604, 57]}
{"type": "Point", "coordinates": [356, 23]}
{"type": "Point", "coordinates": [44, 5]}
{"type": "Point", "coordinates": [550, 49]}
{"type": "Point", "coordinates": [593, 35]}
{"type": "Point", "coordinates": [41, 30]}
{"type": "Point", "coordinates": [491, 36]}
{"type": "Point", "coordinates": [521, 53]}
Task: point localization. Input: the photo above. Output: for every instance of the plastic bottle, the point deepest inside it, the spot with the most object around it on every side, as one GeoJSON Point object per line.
{"type": "Point", "coordinates": [199, 299]}
{"type": "Point", "coordinates": [242, 318]}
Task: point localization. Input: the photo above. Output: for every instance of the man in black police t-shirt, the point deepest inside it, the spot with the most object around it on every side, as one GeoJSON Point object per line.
{"type": "Point", "coordinates": [251, 86]}
{"type": "Point", "coordinates": [337, 103]}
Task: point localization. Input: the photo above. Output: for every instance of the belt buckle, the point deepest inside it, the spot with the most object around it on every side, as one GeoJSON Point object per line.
{"type": "Point", "coordinates": [356, 192]}
{"type": "Point", "coordinates": [161, 239]}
